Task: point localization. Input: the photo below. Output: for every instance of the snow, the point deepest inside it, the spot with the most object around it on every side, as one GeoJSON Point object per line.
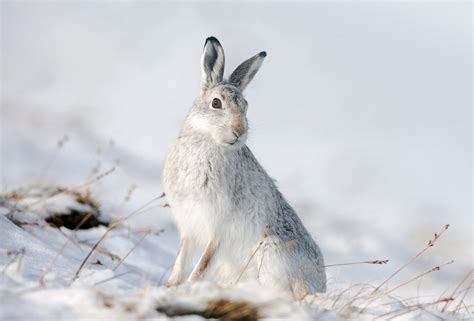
{"type": "Point", "coordinates": [361, 112]}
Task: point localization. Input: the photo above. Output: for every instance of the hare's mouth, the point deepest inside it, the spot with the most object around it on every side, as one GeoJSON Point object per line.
{"type": "Point", "coordinates": [234, 142]}
{"type": "Point", "coordinates": [236, 139]}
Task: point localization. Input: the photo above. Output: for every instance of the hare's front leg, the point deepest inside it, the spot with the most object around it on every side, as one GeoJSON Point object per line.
{"type": "Point", "coordinates": [182, 263]}
{"type": "Point", "coordinates": [203, 263]}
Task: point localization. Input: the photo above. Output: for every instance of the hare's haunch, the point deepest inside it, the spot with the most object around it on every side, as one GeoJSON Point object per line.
{"type": "Point", "coordinates": [224, 202]}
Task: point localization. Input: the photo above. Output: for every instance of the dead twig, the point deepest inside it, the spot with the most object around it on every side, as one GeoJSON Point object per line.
{"type": "Point", "coordinates": [112, 278]}
{"type": "Point", "coordinates": [461, 301]}
{"type": "Point", "coordinates": [429, 245]}
{"type": "Point", "coordinates": [362, 262]}
{"type": "Point", "coordinates": [435, 269]}
{"type": "Point", "coordinates": [59, 146]}
{"type": "Point", "coordinates": [72, 189]}
{"type": "Point", "coordinates": [446, 305]}
{"type": "Point", "coordinates": [110, 228]}
{"type": "Point", "coordinates": [319, 268]}
{"type": "Point", "coordinates": [265, 235]}
{"type": "Point", "coordinates": [411, 308]}
{"type": "Point", "coordinates": [347, 289]}
{"type": "Point", "coordinates": [50, 266]}
{"type": "Point", "coordinates": [248, 262]}
{"type": "Point", "coordinates": [16, 254]}
{"type": "Point", "coordinates": [131, 250]}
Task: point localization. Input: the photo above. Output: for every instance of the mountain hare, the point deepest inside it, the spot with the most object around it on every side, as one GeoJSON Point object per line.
{"type": "Point", "coordinates": [224, 202]}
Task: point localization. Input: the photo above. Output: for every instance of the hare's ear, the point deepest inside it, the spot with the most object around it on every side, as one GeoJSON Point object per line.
{"type": "Point", "coordinates": [246, 71]}
{"type": "Point", "coordinates": [212, 63]}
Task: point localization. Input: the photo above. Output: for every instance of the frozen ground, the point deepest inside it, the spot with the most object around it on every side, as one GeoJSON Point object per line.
{"type": "Point", "coordinates": [362, 112]}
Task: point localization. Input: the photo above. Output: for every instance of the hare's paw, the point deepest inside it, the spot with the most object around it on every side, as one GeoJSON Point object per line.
{"type": "Point", "coordinates": [174, 280]}
{"type": "Point", "coordinates": [203, 263]}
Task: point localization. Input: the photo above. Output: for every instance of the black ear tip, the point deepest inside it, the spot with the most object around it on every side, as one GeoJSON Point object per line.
{"type": "Point", "coordinates": [212, 39]}
{"type": "Point", "coordinates": [263, 54]}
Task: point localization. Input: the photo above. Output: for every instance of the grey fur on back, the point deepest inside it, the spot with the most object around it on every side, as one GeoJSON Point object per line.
{"type": "Point", "coordinates": [224, 201]}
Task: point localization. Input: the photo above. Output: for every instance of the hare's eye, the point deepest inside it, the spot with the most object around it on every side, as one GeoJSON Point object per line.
{"type": "Point", "coordinates": [216, 103]}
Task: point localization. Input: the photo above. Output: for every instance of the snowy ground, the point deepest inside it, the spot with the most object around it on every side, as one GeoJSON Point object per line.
{"type": "Point", "coordinates": [118, 271]}
{"type": "Point", "coordinates": [361, 112]}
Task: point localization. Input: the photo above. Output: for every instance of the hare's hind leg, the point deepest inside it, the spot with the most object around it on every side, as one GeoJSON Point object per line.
{"type": "Point", "coordinates": [182, 262]}
{"type": "Point", "coordinates": [203, 263]}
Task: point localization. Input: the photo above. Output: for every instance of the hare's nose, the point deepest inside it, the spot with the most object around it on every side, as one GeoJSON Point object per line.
{"type": "Point", "coordinates": [238, 132]}
{"type": "Point", "coordinates": [239, 128]}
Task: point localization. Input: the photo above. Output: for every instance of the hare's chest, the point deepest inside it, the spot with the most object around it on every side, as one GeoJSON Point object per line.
{"type": "Point", "coordinates": [192, 173]}
{"type": "Point", "coordinates": [196, 191]}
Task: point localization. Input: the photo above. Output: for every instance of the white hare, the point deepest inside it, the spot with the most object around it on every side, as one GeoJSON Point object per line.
{"type": "Point", "coordinates": [224, 202]}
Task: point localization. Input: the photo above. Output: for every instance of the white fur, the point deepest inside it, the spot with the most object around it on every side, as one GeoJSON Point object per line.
{"type": "Point", "coordinates": [221, 196]}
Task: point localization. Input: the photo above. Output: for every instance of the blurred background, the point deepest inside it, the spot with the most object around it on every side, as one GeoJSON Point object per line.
{"type": "Point", "coordinates": [361, 112]}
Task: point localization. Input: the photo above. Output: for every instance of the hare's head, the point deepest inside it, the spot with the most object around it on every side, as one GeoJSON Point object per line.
{"type": "Point", "coordinates": [220, 110]}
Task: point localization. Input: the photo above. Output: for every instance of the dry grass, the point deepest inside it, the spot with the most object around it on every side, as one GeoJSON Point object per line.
{"type": "Point", "coordinates": [113, 225]}
{"type": "Point", "coordinates": [225, 309]}
{"type": "Point", "coordinates": [367, 295]}
{"type": "Point", "coordinates": [430, 244]}
{"type": "Point", "coordinates": [74, 219]}
{"type": "Point", "coordinates": [377, 293]}
{"type": "Point", "coordinates": [131, 250]}
{"type": "Point", "coordinates": [456, 290]}
{"type": "Point", "coordinates": [221, 309]}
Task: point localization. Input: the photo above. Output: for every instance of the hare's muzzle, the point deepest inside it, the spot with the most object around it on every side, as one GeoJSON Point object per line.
{"type": "Point", "coordinates": [239, 126]}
